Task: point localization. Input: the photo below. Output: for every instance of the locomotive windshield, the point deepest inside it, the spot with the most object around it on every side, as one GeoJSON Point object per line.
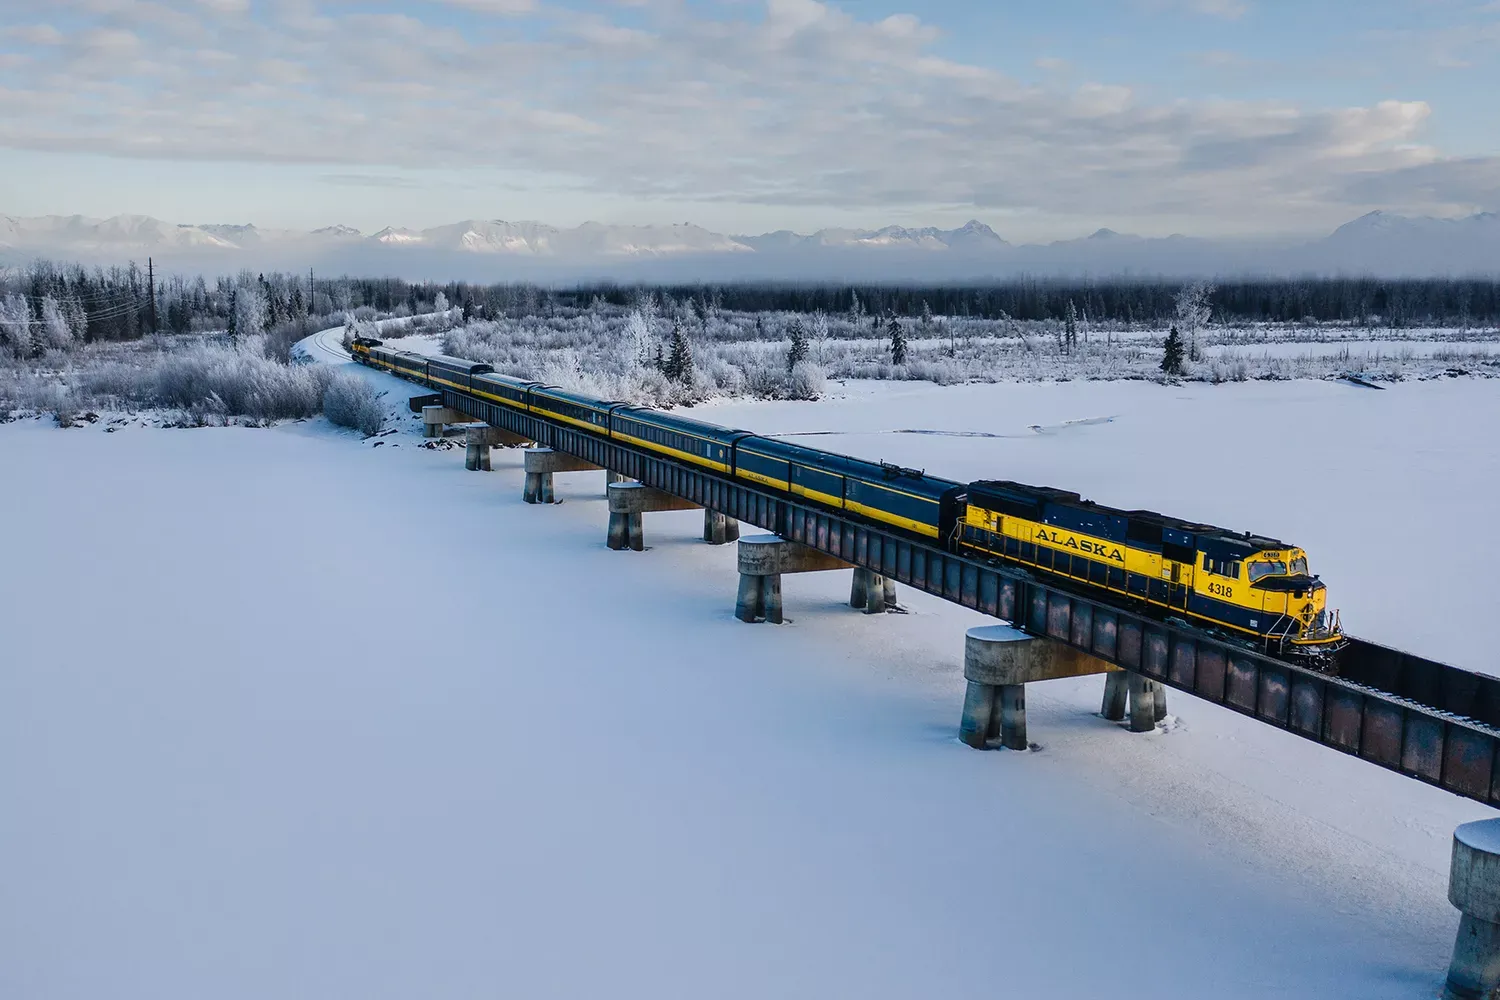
{"type": "Point", "coordinates": [1299, 566]}
{"type": "Point", "coordinates": [1264, 569]}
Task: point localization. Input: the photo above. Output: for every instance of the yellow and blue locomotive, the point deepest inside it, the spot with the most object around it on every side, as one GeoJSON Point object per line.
{"type": "Point", "coordinates": [1241, 583]}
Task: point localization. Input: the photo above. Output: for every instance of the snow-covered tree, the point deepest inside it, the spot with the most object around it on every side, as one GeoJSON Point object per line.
{"type": "Point", "coordinates": [856, 308]}
{"type": "Point", "coordinates": [819, 333]}
{"type": "Point", "coordinates": [15, 324]}
{"type": "Point", "coordinates": [440, 302]}
{"type": "Point", "coordinates": [249, 314]}
{"type": "Point", "coordinates": [679, 365]}
{"type": "Point", "coordinates": [639, 336]}
{"type": "Point", "coordinates": [898, 339]}
{"type": "Point", "coordinates": [1193, 313]}
{"type": "Point", "coordinates": [797, 351]}
{"type": "Point", "coordinates": [55, 329]}
{"type": "Point", "coordinates": [78, 317]}
{"type": "Point", "coordinates": [1171, 361]}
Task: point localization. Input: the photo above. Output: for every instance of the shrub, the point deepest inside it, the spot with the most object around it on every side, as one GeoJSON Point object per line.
{"type": "Point", "coordinates": [807, 381]}
{"type": "Point", "coordinates": [239, 381]}
{"type": "Point", "coordinates": [350, 401]}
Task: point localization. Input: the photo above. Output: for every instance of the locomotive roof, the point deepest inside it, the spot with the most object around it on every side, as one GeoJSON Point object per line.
{"type": "Point", "coordinates": [1240, 540]}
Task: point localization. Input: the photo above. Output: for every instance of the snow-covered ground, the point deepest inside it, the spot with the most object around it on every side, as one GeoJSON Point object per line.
{"type": "Point", "coordinates": [285, 713]}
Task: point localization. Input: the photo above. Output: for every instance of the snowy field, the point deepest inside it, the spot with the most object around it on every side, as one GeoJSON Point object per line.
{"type": "Point", "coordinates": [288, 714]}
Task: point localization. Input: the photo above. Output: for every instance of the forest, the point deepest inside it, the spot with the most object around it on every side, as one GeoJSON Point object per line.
{"type": "Point", "coordinates": [47, 303]}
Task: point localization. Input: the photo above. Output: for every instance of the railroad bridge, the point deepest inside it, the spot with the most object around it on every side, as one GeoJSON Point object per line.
{"type": "Point", "coordinates": [1430, 721]}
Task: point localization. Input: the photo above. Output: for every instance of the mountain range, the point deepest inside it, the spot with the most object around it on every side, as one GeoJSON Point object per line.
{"type": "Point", "coordinates": [1377, 243]}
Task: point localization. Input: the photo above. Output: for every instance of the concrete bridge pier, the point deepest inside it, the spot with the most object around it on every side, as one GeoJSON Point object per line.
{"type": "Point", "coordinates": [436, 418]}
{"type": "Point", "coordinates": [762, 561]}
{"type": "Point", "coordinates": [541, 463]}
{"type": "Point", "coordinates": [627, 502]}
{"type": "Point", "coordinates": [1146, 698]}
{"type": "Point", "coordinates": [1474, 888]}
{"type": "Point", "coordinates": [999, 661]}
{"type": "Point", "coordinates": [871, 592]}
{"type": "Point", "coordinates": [719, 529]}
{"type": "Point", "coordinates": [479, 440]}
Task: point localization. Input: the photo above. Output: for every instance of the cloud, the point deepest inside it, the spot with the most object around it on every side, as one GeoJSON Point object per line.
{"type": "Point", "coordinates": [1230, 10]}
{"type": "Point", "coordinates": [790, 103]}
{"type": "Point", "coordinates": [370, 181]}
{"type": "Point", "coordinates": [1222, 59]}
{"type": "Point", "coordinates": [506, 7]}
{"type": "Point", "coordinates": [34, 34]}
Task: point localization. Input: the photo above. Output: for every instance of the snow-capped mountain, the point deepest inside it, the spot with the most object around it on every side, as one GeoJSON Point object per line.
{"type": "Point", "coordinates": [83, 233]}
{"type": "Point", "coordinates": [480, 249]}
{"type": "Point", "coordinates": [1380, 242]}
{"type": "Point", "coordinates": [972, 237]}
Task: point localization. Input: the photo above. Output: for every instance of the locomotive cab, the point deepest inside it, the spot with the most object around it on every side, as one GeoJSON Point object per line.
{"type": "Point", "coordinates": [1293, 601]}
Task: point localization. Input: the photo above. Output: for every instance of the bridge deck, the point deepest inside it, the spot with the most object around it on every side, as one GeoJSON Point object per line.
{"type": "Point", "coordinates": [1430, 721]}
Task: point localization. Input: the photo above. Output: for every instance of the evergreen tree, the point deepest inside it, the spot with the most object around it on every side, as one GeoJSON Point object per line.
{"type": "Point", "coordinates": [680, 364]}
{"type": "Point", "coordinates": [660, 362]}
{"type": "Point", "coordinates": [233, 326]}
{"type": "Point", "coordinates": [1171, 362]}
{"type": "Point", "coordinates": [797, 353]}
{"type": "Point", "coordinates": [898, 339]}
{"type": "Point", "coordinates": [1070, 328]}
{"type": "Point", "coordinates": [856, 310]}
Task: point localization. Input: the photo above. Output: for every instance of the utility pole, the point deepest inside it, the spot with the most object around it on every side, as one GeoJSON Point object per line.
{"type": "Point", "coordinates": [151, 280]}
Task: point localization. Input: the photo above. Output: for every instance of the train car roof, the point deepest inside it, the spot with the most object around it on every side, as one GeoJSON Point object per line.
{"type": "Point", "coordinates": [1236, 541]}
{"type": "Point", "coordinates": [577, 398]}
{"type": "Point", "coordinates": [503, 379]}
{"type": "Point", "coordinates": [665, 418]}
{"type": "Point", "coordinates": [462, 363]}
{"type": "Point", "coordinates": [849, 465]}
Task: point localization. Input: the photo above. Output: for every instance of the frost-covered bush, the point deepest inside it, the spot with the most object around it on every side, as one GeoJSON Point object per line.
{"type": "Point", "coordinates": [242, 378]}
{"type": "Point", "coordinates": [350, 401]}
{"type": "Point", "coordinates": [807, 381]}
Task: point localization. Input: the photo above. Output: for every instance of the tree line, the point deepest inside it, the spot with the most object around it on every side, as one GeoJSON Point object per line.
{"type": "Point", "coordinates": [52, 302]}
{"type": "Point", "coordinates": [1397, 303]}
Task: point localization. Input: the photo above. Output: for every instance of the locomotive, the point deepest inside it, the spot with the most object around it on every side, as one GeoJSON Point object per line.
{"type": "Point", "coordinates": [1253, 588]}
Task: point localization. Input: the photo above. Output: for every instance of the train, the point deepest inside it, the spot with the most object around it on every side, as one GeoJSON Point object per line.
{"type": "Point", "coordinates": [1238, 585]}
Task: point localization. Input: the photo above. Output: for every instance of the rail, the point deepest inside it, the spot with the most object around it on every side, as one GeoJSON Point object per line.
{"type": "Point", "coordinates": [1427, 720]}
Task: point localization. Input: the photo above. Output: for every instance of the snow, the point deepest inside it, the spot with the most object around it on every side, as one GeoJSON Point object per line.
{"type": "Point", "coordinates": [285, 713]}
{"type": "Point", "coordinates": [1482, 835]}
{"type": "Point", "coordinates": [996, 633]}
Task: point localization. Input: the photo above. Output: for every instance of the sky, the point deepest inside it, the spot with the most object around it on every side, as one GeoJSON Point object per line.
{"type": "Point", "coordinates": [1250, 118]}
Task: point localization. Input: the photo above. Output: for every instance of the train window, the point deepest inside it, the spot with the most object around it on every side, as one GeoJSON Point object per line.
{"type": "Point", "coordinates": [1223, 567]}
{"type": "Point", "coordinates": [1264, 569]}
{"type": "Point", "coordinates": [1299, 566]}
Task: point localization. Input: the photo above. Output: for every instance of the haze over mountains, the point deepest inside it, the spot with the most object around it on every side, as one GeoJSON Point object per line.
{"type": "Point", "coordinates": [489, 250]}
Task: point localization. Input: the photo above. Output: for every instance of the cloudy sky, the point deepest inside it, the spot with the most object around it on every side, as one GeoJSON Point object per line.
{"type": "Point", "coordinates": [1046, 120]}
